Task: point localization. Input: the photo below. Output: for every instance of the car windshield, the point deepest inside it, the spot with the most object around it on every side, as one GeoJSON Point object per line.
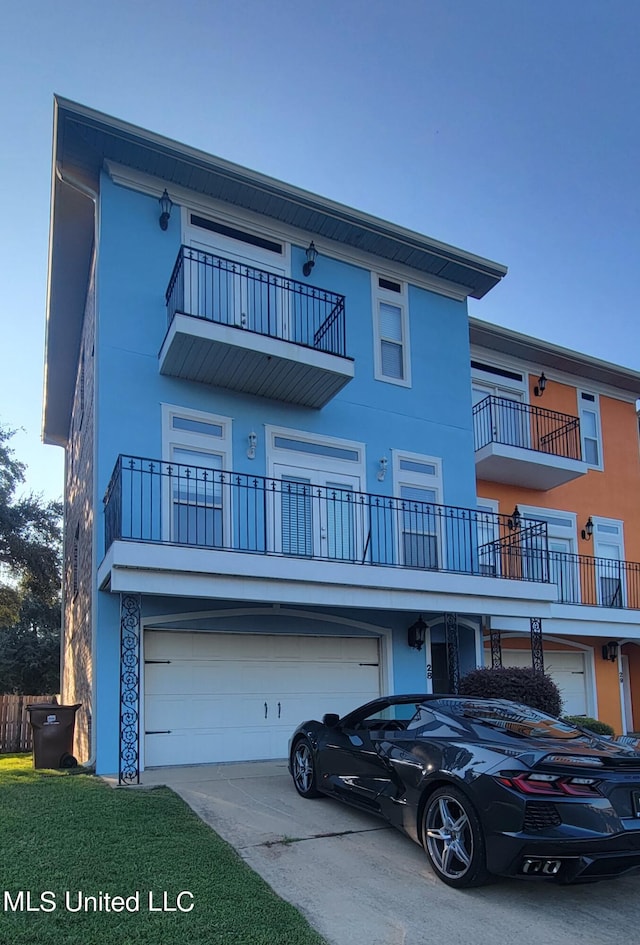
{"type": "Point", "coordinates": [512, 717]}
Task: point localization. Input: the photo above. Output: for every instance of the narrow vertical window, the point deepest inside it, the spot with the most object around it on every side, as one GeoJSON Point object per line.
{"type": "Point", "coordinates": [391, 332]}
{"type": "Point", "coordinates": [590, 429]}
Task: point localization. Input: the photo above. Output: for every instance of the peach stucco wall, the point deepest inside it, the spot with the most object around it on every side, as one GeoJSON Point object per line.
{"type": "Point", "coordinates": [613, 492]}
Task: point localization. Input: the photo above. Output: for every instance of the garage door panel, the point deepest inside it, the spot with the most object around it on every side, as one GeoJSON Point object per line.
{"type": "Point", "coordinates": [566, 668]}
{"type": "Point", "coordinates": [233, 697]}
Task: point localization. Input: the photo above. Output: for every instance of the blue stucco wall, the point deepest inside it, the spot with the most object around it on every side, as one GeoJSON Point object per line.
{"type": "Point", "coordinates": [433, 417]}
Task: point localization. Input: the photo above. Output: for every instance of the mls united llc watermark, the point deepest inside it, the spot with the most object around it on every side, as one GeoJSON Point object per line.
{"type": "Point", "coordinates": [24, 900]}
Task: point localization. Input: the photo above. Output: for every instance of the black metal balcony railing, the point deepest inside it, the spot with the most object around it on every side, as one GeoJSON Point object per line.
{"type": "Point", "coordinates": [231, 293]}
{"type": "Point", "coordinates": [511, 423]}
{"type": "Point", "coordinates": [599, 582]}
{"type": "Point", "coordinates": [156, 501]}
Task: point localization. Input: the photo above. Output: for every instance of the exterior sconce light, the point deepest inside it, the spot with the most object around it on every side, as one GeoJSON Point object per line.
{"type": "Point", "coordinates": [312, 254]}
{"type": "Point", "coordinates": [165, 209]}
{"type": "Point", "coordinates": [253, 442]}
{"type": "Point", "coordinates": [542, 383]}
{"type": "Point", "coordinates": [515, 520]}
{"type": "Point", "coordinates": [610, 651]}
{"type": "Point", "coordinates": [587, 531]}
{"type": "Point", "coordinates": [416, 634]}
{"type": "Point", "coordinates": [382, 470]}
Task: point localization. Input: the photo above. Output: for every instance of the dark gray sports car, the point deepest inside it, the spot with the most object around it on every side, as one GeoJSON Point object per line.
{"type": "Point", "coordinates": [487, 786]}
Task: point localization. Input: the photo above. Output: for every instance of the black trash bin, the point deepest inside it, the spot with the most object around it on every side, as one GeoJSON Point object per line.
{"type": "Point", "coordinates": [53, 728]}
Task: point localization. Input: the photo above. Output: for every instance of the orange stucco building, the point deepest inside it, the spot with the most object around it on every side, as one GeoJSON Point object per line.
{"type": "Point", "coordinates": [557, 440]}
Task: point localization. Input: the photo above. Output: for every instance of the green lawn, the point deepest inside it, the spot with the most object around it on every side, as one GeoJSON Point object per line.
{"type": "Point", "coordinates": [70, 833]}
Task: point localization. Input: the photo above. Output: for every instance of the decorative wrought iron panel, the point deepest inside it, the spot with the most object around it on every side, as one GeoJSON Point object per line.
{"type": "Point", "coordinates": [129, 767]}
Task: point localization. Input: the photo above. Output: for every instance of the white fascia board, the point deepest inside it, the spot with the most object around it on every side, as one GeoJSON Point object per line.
{"type": "Point", "coordinates": [204, 573]}
{"type": "Point", "coordinates": [577, 621]}
{"type": "Point", "coordinates": [545, 354]}
{"type": "Point", "coordinates": [153, 187]}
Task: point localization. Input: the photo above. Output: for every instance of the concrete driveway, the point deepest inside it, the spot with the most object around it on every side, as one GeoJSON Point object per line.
{"type": "Point", "coordinates": [361, 883]}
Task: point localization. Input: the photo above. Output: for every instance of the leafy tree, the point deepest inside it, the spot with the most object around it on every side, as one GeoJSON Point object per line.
{"type": "Point", "coordinates": [30, 572]}
{"type": "Point", "coordinates": [30, 649]}
{"type": "Point", "coordinates": [30, 538]}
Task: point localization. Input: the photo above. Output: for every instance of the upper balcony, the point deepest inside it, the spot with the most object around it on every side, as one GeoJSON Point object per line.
{"type": "Point", "coordinates": [523, 445]}
{"type": "Point", "coordinates": [235, 326]}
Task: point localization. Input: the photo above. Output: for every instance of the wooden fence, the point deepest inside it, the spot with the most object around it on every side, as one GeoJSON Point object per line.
{"type": "Point", "coordinates": [15, 731]}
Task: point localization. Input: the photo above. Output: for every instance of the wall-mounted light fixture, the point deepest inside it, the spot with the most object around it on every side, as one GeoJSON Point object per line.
{"type": "Point", "coordinates": [165, 209]}
{"type": "Point", "coordinates": [610, 651]}
{"type": "Point", "coordinates": [416, 634]}
{"type": "Point", "coordinates": [587, 531]}
{"type": "Point", "coordinates": [382, 468]}
{"type": "Point", "coordinates": [312, 254]}
{"type": "Point", "coordinates": [540, 388]}
{"type": "Point", "coordinates": [515, 519]}
{"type": "Point", "coordinates": [253, 442]}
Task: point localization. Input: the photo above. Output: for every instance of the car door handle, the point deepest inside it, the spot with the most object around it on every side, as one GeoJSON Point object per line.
{"type": "Point", "coordinates": [266, 710]}
{"type": "Point", "coordinates": [279, 707]}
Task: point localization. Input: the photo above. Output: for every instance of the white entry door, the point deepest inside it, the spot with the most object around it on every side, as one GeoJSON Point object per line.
{"type": "Point", "coordinates": [214, 697]}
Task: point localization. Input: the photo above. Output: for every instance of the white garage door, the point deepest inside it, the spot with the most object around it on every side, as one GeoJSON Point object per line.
{"type": "Point", "coordinates": [567, 669]}
{"type": "Point", "coordinates": [237, 697]}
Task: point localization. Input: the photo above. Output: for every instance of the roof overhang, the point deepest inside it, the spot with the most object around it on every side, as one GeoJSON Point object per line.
{"type": "Point", "coordinates": [83, 139]}
{"type": "Point", "coordinates": [546, 355]}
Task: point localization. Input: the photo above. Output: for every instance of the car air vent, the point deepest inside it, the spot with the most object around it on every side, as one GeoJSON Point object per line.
{"type": "Point", "coordinates": [540, 814]}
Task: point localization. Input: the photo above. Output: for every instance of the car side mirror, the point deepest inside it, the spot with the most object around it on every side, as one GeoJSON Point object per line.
{"type": "Point", "coordinates": [330, 719]}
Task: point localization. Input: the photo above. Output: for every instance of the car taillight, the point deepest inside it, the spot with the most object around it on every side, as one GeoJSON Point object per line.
{"type": "Point", "coordinates": [550, 784]}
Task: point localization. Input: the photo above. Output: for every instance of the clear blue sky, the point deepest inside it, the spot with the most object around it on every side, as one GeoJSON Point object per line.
{"type": "Point", "coordinates": [510, 128]}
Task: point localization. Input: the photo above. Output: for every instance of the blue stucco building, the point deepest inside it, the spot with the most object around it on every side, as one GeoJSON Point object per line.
{"type": "Point", "coordinates": [265, 402]}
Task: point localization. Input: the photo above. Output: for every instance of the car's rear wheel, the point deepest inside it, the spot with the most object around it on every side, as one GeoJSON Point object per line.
{"type": "Point", "coordinates": [303, 769]}
{"type": "Point", "coordinates": [453, 839]}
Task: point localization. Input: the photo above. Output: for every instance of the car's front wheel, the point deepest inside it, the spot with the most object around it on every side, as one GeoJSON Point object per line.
{"type": "Point", "coordinates": [453, 839]}
{"type": "Point", "coordinates": [303, 769]}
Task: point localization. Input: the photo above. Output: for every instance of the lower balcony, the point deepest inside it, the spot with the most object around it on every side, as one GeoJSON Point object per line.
{"type": "Point", "coordinates": [246, 329]}
{"type": "Point", "coordinates": [234, 523]}
{"type": "Point", "coordinates": [594, 581]}
{"type": "Point", "coordinates": [524, 445]}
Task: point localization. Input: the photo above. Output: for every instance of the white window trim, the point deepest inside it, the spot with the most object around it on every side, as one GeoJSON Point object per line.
{"type": "Point", "coordinates": [401, 301]}
{"type": "Point", "coordinates": [220, 244]}
{"type": "Point", "coordinates": [554, 531]}
{"type": "Point", "coordinates": [406, 477]}
{"type": "Point", "coordinates": [611, 539]}
{"type": "Point", "coordinates": [497, 382]}
{"type": "Point", "coordinates": [595, 406]}
{"type": "Point", "coordinates": [329, 464]}
{"type": "Point", "coordinates": [199, 442]}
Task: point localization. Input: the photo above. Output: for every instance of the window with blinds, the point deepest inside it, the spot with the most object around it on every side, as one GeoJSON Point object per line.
{"type": "Point", "coordinates": [391, 331]}
{"type": "Point", "coordinates": [590, 429]}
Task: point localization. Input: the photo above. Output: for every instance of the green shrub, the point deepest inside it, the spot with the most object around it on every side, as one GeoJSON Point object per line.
{"type": "Point", "coordinates": [519, 683]}
{"type": "Point", "coordinates": [594, 725]}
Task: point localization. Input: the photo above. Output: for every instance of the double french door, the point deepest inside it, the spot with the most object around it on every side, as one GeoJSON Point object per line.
{"type": "Point", "coordinates": [506, 420]}
{"type": "Point", "coordinates": [226, 286]}
{"type": "Point", "coordinates": [317, 514]}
